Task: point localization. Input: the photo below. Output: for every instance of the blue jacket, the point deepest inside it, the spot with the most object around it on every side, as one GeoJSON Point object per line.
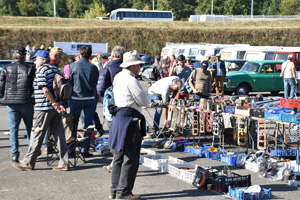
{"type": "Point", "coordinates": [120, 123]}
{"type": "Point", "coordinates": [83, 77]}
{"type": "Point", "coordinates": [222, 67]}
{"type": "Point", "coordinates": [107, 75]}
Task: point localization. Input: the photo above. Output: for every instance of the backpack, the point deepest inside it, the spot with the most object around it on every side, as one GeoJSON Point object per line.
{"type": "Point", "coordinates": [153, 73]}
{"type": "Point", "coordinates": [62, 89]}
{"type": "Point", "coordinates": [108, 99]}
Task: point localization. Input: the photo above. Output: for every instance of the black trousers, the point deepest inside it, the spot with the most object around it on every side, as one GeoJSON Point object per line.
{"type": "Point", "coordinates": [126, 162]}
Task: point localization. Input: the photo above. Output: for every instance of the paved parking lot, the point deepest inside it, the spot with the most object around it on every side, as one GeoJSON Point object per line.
{"type": "Point", "coordinates": [90, 181]}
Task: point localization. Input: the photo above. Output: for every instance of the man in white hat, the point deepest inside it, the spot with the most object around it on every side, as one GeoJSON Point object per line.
{"type": "Point", "coordinates": [128, 126]}
{"type": "Point", "coordinates": [289, 77]}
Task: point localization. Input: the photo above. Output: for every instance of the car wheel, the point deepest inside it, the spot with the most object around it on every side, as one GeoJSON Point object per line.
{"type": "Point", "coordinates": [242, 89]}
{"type": "Point", "coordinates": [274, 93]}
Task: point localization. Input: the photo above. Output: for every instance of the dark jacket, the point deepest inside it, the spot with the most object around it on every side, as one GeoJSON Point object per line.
{"type": "Point", "coordinates": [120, 123]}
{"type": "Point", "coordinates": [107, 75]}
{"type": "Point", "coordinates": [83, 77]}
{"type": "Point", "coordinates": [223, 69]}
{"type": "Point", "coordinates": [16, 83]}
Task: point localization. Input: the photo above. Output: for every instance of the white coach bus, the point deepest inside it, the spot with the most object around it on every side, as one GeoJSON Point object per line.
{"type": "Point", "coordinates": [141, 15]}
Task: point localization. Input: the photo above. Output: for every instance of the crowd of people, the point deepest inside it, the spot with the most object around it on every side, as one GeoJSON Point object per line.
{"type": "Point", "coordinates": [27, 93]}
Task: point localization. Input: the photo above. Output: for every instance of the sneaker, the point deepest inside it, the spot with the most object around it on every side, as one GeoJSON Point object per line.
{"type": "Point", "coordinates": [61, 168]}
{"type": "Point", "coordinates": [108, 168]}
{"type": "Point", "coordinates": [22, 166]}
{"type": "Point", "coordinates": [112, 196]}
{"type": "Point", "coordinates": [130, 197]}
{"type": "Point", "coordinates": [15, 159]}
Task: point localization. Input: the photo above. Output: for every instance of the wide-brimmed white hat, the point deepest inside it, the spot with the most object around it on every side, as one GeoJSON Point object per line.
{"type": "Point", "coordinates": [131, 58]}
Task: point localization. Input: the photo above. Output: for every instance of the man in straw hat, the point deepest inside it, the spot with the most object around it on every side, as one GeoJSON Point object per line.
{"type": "Point", "coordinates": [128, 126]}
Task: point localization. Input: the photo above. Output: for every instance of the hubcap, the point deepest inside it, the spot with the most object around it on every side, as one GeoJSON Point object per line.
{"type": "Point", "coordinates": [242, 90]}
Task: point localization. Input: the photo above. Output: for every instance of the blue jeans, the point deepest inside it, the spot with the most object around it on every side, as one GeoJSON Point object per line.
{"type": "Point", "coordinates": [155, 99]}
{"type": "Point", "coordinates": [15, 113]}
{"type": "Point", "coordinates": [289, 84]}
{"type": "Point", "coordinates": [88, 107]}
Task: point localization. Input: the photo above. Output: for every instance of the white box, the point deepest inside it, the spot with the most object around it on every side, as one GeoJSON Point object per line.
{"type": "Point", "coordinates": [255, 166]}
{"type": "Point", "coordinates": [160, 162]}
{"type": "Point", "coordinates": [145, 152]}
{"type": "Point", "coordinates": [188, 175]}
{"type": "Point", "coordinates": [179, 170]}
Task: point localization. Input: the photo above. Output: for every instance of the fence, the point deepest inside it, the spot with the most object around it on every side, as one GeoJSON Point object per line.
{"type": "Point", "coordinates": [202, 18]}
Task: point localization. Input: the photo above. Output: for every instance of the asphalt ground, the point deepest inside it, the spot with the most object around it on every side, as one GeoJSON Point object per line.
{"type": "Point", "coordinates": [91, 181]}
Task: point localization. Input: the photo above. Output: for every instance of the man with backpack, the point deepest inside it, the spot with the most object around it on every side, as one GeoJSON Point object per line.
{"type": "Point", "coordinates": [47, 115]}
{"type": "Point", "coordinates": [155, 70]}
{"type": "Point", "coordinates": [83, 77]}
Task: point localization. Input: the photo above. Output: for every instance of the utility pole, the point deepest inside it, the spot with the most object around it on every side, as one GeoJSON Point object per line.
{"type": "Point", "coordinates": [54, 7]}
{"type": "Point", "coordinates": [212, 7]}
{"type": "Point", "coordinates": [251, 8]}
{"type": "Point", "coordinates": [153, 4]}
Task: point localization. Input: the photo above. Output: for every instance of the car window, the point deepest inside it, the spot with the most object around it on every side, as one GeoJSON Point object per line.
{"type": "Point", "coordinates": [180, 51]}
{"type": "Point", "coordinates": [281, 56]}
{"type": "Point", "coordinates": [269, 55]}
{"type": "Point", "coordinates": [241, 54]}
{"type": "Point", "coordinates": [267, 69]}
{"type": "Point", "coordinates": [233, 67]}
{"type": "Point", "coordinates": [250, 67]}
{"type": "Point", "coordinates": [193, 51]}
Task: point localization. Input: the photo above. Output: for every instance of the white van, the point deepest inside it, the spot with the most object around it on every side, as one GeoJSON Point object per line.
{"type": "Point", "coordinates": [214, 49]}
{"type": "Point", "coordinates": [234, 52]}
{"type": "Point", "coordinates": [168, 50]}
{"type": "Point", "coordinates": [261, 52]}
{"type": "Point", "coordinates": [188, 50]}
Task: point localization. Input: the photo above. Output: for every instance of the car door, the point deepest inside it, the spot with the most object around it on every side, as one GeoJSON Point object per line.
{"type": "Point", "coordinates": [266, 79]}
{"type": "Point", "coordinates": [278, 80]}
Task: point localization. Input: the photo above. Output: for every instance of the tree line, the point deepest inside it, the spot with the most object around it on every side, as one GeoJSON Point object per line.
{"type": "Point", "coordinates": [181, 9]}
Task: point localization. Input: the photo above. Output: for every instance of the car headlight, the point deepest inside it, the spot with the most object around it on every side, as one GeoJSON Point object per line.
{"type": "Point", "coordinates": [228, 80]}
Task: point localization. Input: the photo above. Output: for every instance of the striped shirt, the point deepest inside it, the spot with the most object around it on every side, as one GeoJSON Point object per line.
{"type": "Point", "coordinates": [44, 76]}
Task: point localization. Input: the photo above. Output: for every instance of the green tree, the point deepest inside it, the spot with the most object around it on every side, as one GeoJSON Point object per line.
{"type": "Point", "coordinates": [26, 7]}
{"type": "Point", "coordinates": [8, 7]}
{"type": "Point", "coordinates": [77, 8]}
{"type": "Point", "coordinates": [96, 10]}
{"type": "Point", "coordinates": [290, 7]}
{"type": "Point", "coordinates": [271, 7]}
{"type": "Point", "coordinates": [204, 7]}
{"type": "Point", "coordinates": [237, 7]}
{"type": "Point", "coordinates": [147, 7]}
{"type": "Point", "coordinates": [140, 4]}
{"type": "Point", "coordinates": [181, 9]}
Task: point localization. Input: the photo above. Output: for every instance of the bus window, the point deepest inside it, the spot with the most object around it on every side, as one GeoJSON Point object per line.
{"type": "Point", "coordinates": [269, 55]}
{"type": "Point", "coordinates": [130, 14]}
{"type": "Point", "coordinates": [180, 51]}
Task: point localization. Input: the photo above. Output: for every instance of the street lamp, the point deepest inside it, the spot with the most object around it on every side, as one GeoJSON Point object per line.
{"type": "Point", "coordinates": [251, 8]}
{"type": "Point", "coordinates": [54, 7]}
{"type": "Point", "coordinates": [212, 7]}
{"type": "Point", "coordinates": [153, 4]}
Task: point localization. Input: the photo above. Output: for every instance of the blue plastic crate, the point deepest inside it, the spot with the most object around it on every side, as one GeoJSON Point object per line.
{"type": "Point", "coordinates": [288, 117]}
{"type": "Point", "coordinates": [273, 115]}
{"type": "Point", "coordinates": [239, 194]}
{"type": "Point", "coordinates": [229, 109]}
{"type": "Point", "coordinates": [284, 152]}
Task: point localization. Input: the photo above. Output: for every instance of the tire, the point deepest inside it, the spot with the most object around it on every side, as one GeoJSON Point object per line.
{"type": "Point", "coordinates": [274, 93]}
{"type": "Point", "coordinates": [242, 89]}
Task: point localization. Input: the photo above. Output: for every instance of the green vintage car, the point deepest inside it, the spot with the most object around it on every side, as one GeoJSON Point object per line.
{"type": "Point", "coordinates": [255, 76]}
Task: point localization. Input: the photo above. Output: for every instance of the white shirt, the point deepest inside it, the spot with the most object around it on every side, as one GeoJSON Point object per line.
{"type": "Point", "coordinates": [287, 68]}
{"type": "Point", "coordinates": [128, 91]}
{"type": "Point", "coordinates": [163, 87]}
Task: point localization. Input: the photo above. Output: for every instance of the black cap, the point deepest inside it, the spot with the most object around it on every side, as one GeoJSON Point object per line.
{"type": "Point", "coordinates": [204, 64]}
